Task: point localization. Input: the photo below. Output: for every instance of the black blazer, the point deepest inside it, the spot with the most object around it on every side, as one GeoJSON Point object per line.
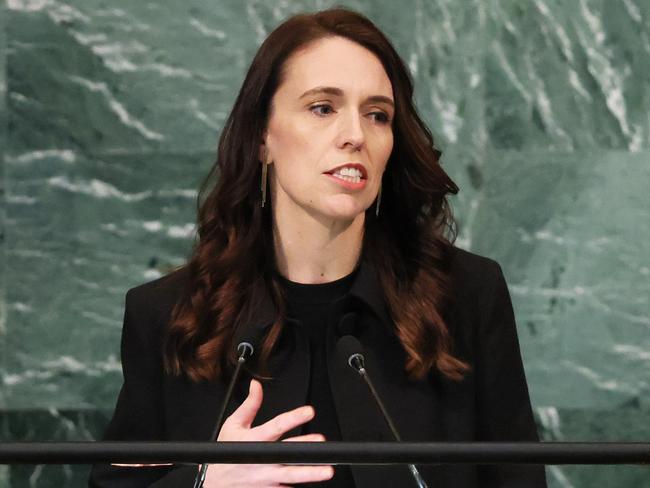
{"type": "Point", "coordinates": [490, 404]}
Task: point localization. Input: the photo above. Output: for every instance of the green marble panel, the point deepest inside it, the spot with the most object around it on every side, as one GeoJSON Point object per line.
{"type": "Point", "coordinates": [567, 75]}
{"type": "Point", "coordinates": [49, 425]}
{"type": "Point", "coordinates": [109, 117]}
{"type": "Point", "coordinates": [3, 181]}
{"type": "Point", "coordinates": [81, 231]}
{"type": "Point", "coordinates": [567, 228]}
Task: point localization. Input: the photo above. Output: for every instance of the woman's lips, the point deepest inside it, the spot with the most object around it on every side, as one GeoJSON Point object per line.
{"type": "Point", "coordinates": [350, 185]}
{"type": "Point", "coordinates": [357, 166]}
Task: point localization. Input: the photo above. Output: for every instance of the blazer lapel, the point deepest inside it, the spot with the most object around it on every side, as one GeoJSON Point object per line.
{"type": "Point", "coordinates": [290, 377]}
{"type": "Point", "coordinates": [193, 408]}
{"type": "Point", "coordinates": [412, 405]}
{"type": "Point", "coordinates": [289, 363]}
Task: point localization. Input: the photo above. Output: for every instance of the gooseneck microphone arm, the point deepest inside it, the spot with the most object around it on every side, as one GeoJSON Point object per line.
{"type": "Point", "coordinates": [357, 362]}
{"type": "Point", "coordinates": [245, 350]}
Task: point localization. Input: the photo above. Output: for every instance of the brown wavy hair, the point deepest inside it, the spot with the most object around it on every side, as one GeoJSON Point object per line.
{"type": "Point", "coordinates": [233, 261]}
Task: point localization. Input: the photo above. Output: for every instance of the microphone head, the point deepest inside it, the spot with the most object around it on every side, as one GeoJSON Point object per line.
{"type": "Point", "coordinates": [357, 362]}
{"type": "Point", "coordinates": [245, 349]}
{"type": "Point", "coordinates": [246, 340]}
{"type": "Point", "coordinates": [353, 350]}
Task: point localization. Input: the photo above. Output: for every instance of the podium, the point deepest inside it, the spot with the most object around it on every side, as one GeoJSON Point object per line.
{"type": "Point", "coordinates": [184, 453]}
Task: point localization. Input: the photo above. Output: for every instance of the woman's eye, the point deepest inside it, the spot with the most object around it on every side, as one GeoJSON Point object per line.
{"type": "Point", "coordinates": [381, 117]}
{"type": "Point", "coordinates": [325, 109]}
{"type": "Point", "coordinates": [318, 107]}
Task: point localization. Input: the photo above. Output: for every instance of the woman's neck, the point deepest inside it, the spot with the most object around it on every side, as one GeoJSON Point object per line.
{"type": "Point", "coordinates": [313, 249]}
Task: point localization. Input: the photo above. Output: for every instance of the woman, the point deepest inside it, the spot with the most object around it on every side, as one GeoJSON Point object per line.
{"type": "Point", "coordinates": [350, 234]}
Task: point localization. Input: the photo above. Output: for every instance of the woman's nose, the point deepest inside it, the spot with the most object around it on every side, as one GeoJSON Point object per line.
{"type": "Point", "coordinates": [352, 131]}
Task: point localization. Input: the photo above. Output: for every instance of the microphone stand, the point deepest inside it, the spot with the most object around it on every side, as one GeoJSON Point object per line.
{"type": "Point", "coordinates": [357, 362]}
{"type": "Point", "coordinates": [245, 350]}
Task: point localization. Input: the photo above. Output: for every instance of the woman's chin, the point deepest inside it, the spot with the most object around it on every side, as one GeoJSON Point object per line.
{"type": "Point", "coordinates": [344, 213]}
{"type": "Point", "coordinates": [343, 207]}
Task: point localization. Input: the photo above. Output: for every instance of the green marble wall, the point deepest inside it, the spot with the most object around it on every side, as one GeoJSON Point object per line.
{"type": "Point", "coordinates": [111, 113]}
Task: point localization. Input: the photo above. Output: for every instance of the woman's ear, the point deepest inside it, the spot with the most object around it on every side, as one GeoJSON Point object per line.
{"type": "Point", "coordinates": [263, 150]}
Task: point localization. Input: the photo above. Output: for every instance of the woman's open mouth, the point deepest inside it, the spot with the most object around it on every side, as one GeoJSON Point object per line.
{"type": "Point", "coordinates": [350, 175]}
{"type": "Point", "coordinates": [349, 182]}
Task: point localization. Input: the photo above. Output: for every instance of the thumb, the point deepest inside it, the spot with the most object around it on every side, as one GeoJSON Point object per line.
{"type": "Point", "coordinates": [246, 412]}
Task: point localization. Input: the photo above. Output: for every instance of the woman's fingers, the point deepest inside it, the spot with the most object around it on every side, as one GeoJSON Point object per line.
{"type": "Point", "coordinates": [306, 438]}
{"type": "Point", "coordinates": [245, 413]}
{"type": "Point", "coordinates": [289, 475]}
{"type": "Point", "coordinates": [280, 424]}
{"type": "Point", "coordinates": [267, 475]}
{"type": "Point", "coordinates": [238, 428]}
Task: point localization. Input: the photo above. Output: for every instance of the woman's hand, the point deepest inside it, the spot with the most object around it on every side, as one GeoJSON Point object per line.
{"type": "Point", "coordinates": [237, 427]}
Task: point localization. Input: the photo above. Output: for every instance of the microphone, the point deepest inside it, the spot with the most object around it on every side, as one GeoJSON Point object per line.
{"type": "Point", "coordinates": [245, 350]}
{"type": "Point", "coordinates": [352, 348]}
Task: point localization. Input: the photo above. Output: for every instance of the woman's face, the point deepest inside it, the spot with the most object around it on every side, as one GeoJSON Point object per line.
{"type": "Point", "coordinates": [334, 107]}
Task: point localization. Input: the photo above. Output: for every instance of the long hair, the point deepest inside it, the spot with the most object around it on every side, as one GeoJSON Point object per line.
{"type": "Point", "coordinates": [232, 263]}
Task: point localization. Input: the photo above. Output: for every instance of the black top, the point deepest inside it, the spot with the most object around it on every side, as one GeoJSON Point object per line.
{"type": "Point", "coordinates": [310, 305]}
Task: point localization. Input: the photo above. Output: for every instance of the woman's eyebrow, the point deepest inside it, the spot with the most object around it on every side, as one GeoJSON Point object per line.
{"type": "Point", "coordinates": [331, 90]}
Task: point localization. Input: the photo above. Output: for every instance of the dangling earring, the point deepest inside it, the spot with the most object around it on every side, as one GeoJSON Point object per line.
{"type": "Point", "coordinates": [263, 186]}
{"type": "Point", "coordinates": [378, 200]}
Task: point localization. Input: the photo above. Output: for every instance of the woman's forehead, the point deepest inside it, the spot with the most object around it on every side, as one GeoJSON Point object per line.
{"type": "Point", "coordinates": [336, 62]}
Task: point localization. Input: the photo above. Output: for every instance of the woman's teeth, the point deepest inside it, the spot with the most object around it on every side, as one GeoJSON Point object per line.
{"type": "Point", "coordinates": [352, 179]}
{"type": "Point", "coordinates": [352, 175]}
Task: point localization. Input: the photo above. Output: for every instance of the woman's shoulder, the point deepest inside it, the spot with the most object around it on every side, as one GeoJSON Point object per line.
{"type": "Point", "coordinates": [467, 263]}
{"type": "Point", "coordinates": [477, 288]}
{"type": "Point", "coordinates": [472, 273]}
{"type": "Point", "coordinates": [160, 295]}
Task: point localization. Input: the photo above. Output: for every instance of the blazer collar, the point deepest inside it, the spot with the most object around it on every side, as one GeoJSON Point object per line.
{"type": "Point", "coordinates": [366, 288]}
